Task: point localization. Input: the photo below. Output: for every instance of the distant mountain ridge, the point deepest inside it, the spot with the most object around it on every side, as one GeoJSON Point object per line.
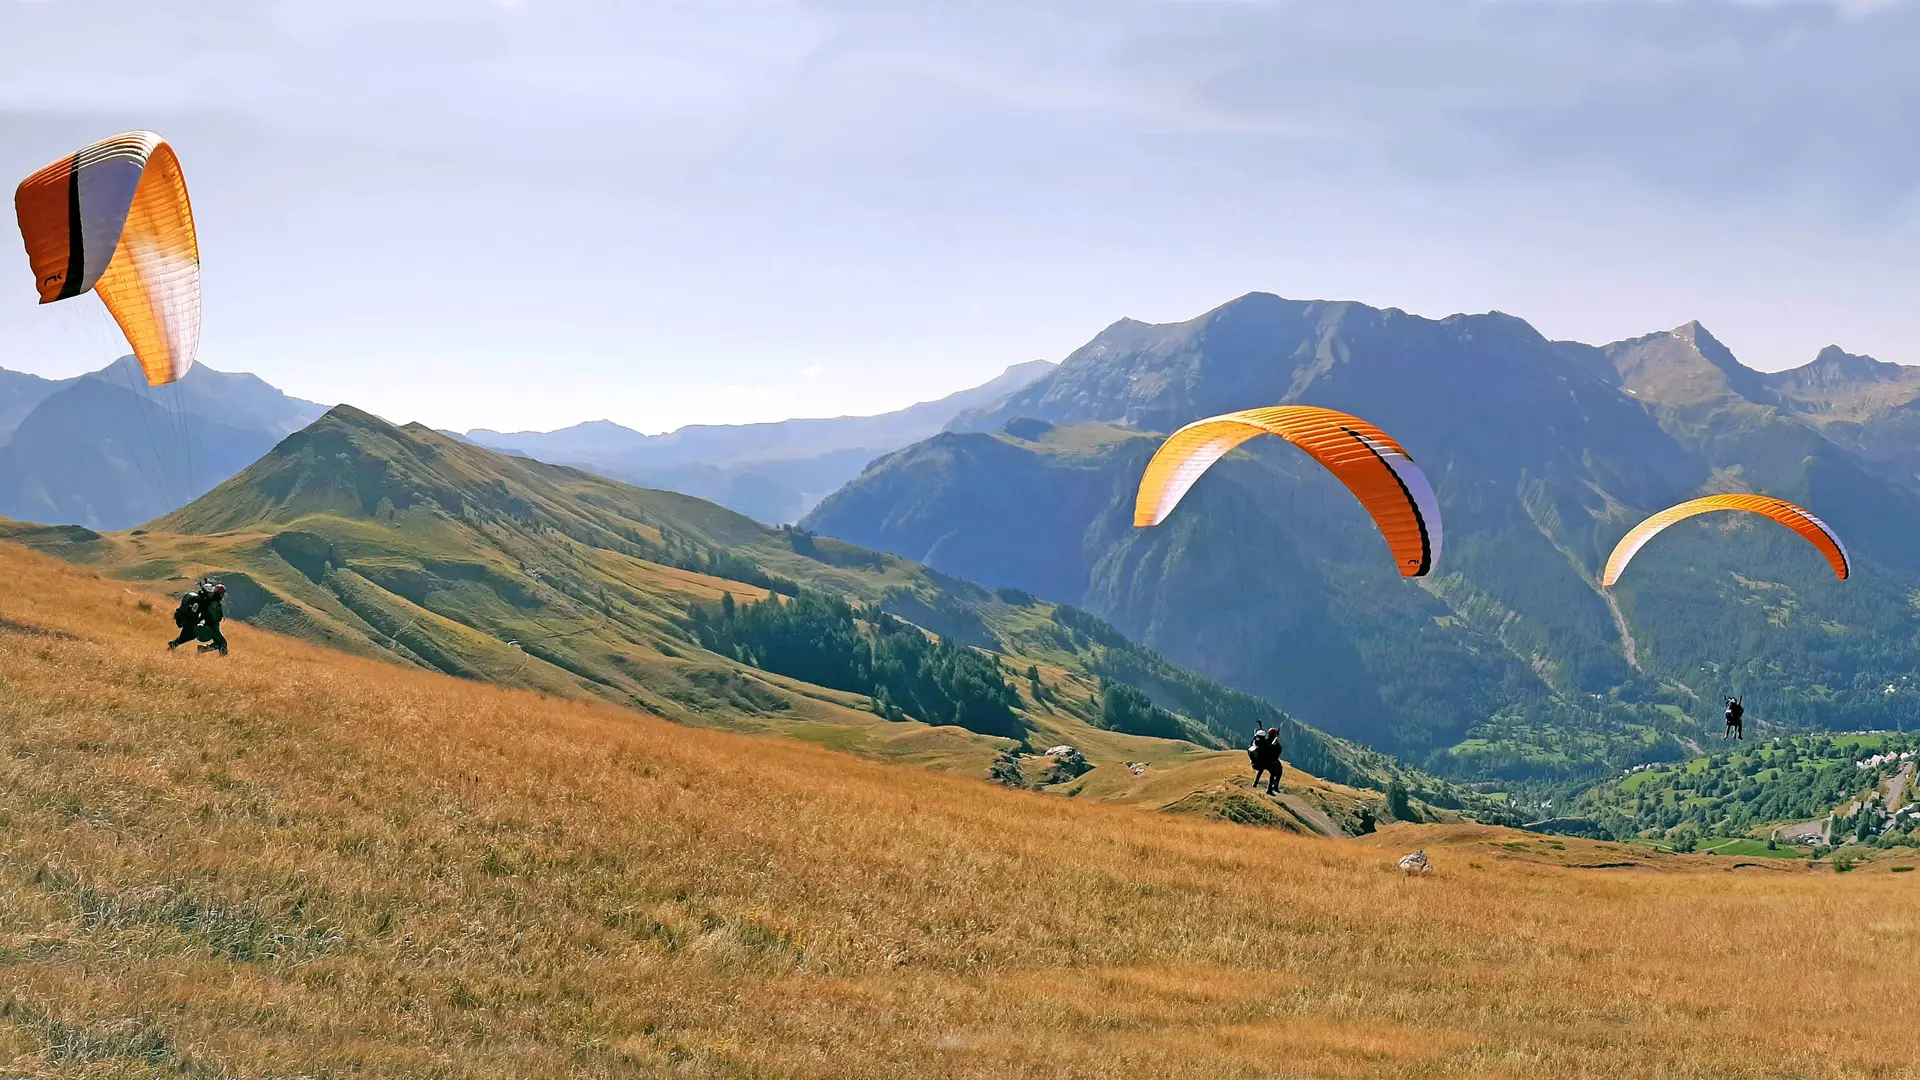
{"type": "Point", "coordinates": [20, 394]}
{"type": "Point", "coordinates": [107, 451]}
{"type": "Point", "coordinates": [1510, 661]}
{"type": "Point", "coordinates": [720, 444]}
{"type": "Point", "coordinates": [773, 472]}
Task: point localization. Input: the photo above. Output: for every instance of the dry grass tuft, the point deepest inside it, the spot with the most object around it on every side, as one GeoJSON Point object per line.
{"type": "Point", "coordinates": [296, 863]}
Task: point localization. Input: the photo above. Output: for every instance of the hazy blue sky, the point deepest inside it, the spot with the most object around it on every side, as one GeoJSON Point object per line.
{"type": "Point", "coordinates": [525, 214]}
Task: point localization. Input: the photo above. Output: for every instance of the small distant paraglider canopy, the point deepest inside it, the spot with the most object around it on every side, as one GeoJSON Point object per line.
{"type": "Point", "coordinates": [114, 218]}
{"type": "Point", "coordinates": [1367, 460]}
{"type": "Point", "coordinates": [1812, 528]}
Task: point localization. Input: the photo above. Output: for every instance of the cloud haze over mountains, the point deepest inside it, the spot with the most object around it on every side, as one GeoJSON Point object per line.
{"type": "Point", "coordinates": [483, 215]}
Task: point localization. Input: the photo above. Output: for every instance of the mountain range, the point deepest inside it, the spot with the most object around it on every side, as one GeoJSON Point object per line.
{"type": "Point", "coordinates": [107, 451]}
{"type": "Point", "coordinates": [1508, 664]}
{"type": "Point", "coordinates": [1509, 661]}
{"type": "Point", "coordinates": [772, 472]}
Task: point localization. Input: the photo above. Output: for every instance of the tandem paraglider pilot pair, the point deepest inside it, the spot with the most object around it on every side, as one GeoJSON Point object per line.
{"type": "Point", "coordinates": [1393, 490]}
{"type": "Point", "coordinates": [199, 615]}
{"type": "Point", "coordinates": [1264, 754]}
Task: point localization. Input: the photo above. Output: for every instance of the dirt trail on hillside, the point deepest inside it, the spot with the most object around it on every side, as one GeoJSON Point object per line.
{"type": "Point", "coordinates": [1311, 816]}
{"type": "Point", "coordinates": [1897, 787]}
{"type": "Point", "coordinates": [1547, 523]}
{"type": "Point", "coordinates": [1627, 644]}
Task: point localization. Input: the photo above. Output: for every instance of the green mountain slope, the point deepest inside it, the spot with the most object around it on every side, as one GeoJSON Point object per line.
{"type": "Point", "coordinates": [1510, 661]}
{"type": "Point", "coordinates": [1813, 790]}
{"type": "Point", "coordinates": [404, 543]}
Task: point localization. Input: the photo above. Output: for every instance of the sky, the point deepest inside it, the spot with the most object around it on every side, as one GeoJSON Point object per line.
{"type": "Point", "coordinates": [522, 214]}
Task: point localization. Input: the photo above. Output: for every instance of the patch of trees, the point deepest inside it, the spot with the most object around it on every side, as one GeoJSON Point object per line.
{"type": "Point", "coordinates": [832, 552]}
{"type": "Point", "coordinates": [1122, 708]}
{"type": "Point", "coordinates": [721, 563]}
{"type": "Point", "coordinates": [946, 612]}
{"type": "Point", "coordinates": [824, 640]}
{"type": "Point", "coordinates": [1082, 628]}
{"type": "Point", "coordinates": [1398, 804]}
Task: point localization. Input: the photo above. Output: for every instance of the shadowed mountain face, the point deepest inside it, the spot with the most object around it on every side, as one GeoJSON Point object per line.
{"type": "Point", "coordinates": [1509, 659]}
{"type": "Point", "coordinates": [107, 451]}
{"type": "Point", "coordinates": [20, 393]}
{"type": "Point", "coordinates": [770, 472]}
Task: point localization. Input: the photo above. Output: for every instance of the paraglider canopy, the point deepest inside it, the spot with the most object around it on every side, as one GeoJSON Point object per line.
{"type": "Point", "coordinates": [1367, 460]}
{"type": "Point", "coordinates": [114, 218]}
{"type": "Point", "coordinates": [1793, 517]}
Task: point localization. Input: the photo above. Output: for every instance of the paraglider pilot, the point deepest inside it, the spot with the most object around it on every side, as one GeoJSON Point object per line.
{"type": "Point", "coordinates": [1735, 726]}
{"type": "Point", "coordinates": [1264, 754]}
{"type": "Point", "coordinates": [199, 615]}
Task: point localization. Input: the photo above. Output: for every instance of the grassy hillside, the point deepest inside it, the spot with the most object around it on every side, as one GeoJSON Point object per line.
{"type": "Point", "coordinates": [295, 862]}
{"type": "Point", "coordinates": [405, 544]}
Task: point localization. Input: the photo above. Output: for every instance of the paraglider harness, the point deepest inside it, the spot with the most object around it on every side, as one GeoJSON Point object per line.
{"type": "Point", "coordinates": [1735, 726]}
{"type": "Point", "coordinates": [187, 615]}
{"type": "Point", "coordinates": [192, 616]}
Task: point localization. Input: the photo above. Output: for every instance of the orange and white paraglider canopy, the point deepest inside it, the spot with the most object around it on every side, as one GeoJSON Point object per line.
{"type": "Point", "coordinates": [1793, 517]}
{"type": "Point", "coordinates": [1367, 460]}
{"type": "Point", "coordinates": [114, 218]}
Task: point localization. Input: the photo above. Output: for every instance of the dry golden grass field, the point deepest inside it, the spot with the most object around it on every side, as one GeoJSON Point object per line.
{"type": "Point", "coordinates": [293, 862]}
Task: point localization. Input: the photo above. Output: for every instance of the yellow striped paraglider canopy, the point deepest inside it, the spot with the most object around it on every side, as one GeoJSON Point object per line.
{"type": "Point", "coordinates": [1379, 472]}
{"type": "Point", "coordinates": [1793, 517]}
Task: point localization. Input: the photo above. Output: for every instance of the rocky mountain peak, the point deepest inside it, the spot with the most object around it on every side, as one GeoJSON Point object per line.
{"type": "Point", "coordinates": [1835, 365]}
